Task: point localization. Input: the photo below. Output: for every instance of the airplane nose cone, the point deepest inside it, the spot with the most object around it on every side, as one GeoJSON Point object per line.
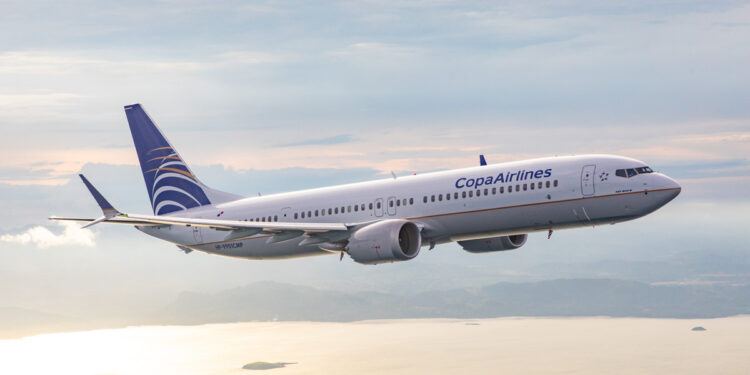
{"type": "Point", "coordinates": [670, 186]}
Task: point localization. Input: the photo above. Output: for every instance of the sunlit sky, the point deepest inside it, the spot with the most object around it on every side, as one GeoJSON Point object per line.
{"type": "Point", "coordinates": [275, 96]}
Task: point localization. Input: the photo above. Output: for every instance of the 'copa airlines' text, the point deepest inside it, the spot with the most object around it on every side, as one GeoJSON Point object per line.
{"type": "Point", "coordinates": [522, 175]}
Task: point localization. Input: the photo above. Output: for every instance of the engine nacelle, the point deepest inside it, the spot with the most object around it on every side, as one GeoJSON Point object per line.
{"type": "Point", "coordinates": [486, 245]}
{"type": "Point", "coordinates": [385, 242]}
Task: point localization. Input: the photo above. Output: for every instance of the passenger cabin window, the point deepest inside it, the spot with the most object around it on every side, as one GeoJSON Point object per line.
{"type": "Point", "coordinates": [555, 183]}
{"type": "Point", "coordinates": [378, 205]}
{"type": "Point", "coordinates": [295, 216]}
{"type": "Point", "coordinates": [471, 193]}
{"type": "Point", "coordinates": [411, 201]}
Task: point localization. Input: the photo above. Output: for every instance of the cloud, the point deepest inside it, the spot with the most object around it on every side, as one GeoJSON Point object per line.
{"type": "Point", "coordinates": [42, 237]}
{"type": "Point", "coordinates": [335, 140]}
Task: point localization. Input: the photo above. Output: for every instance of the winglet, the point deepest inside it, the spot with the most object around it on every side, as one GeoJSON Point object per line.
{"type": "Point", "coordinates": [107, 209]}
{"type": "Point", "coordinates": [482, 160]}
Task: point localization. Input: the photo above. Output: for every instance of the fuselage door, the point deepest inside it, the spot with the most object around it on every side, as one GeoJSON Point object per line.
{"type": "Point", "coordinates": [391, 206]}
{"type": "Point", "coordinates": [378, 207]}
{"type": "Point", "coordinates": [587, 180]}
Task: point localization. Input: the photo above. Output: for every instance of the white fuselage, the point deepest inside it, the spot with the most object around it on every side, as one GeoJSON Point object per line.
{"type": "Point", "coordinates": [567, 192]}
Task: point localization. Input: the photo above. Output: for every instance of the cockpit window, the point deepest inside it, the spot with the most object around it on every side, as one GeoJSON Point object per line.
{"type": "Point", "coordinates": [630, 172]}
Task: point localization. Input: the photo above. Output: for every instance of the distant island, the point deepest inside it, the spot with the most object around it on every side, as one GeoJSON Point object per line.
{"type": "Point", "coordinates": [266, 365]}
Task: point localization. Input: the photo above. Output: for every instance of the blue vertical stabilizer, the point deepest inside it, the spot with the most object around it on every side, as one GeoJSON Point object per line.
{"type": "Point", "coordinates": [171, 185]}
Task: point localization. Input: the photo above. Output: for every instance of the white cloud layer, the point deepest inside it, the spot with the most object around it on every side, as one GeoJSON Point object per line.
{"type": "Point", "coordinates": [42, 237]}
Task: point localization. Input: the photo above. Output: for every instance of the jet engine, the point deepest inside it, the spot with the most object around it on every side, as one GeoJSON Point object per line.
{"type": "Point", "coordinates": [385, 242]}
{"type": "Point", "coordinates": [486, 245]}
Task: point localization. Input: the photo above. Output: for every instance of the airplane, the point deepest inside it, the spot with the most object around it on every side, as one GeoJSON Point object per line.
{"type": "Point", "coordinates": [486, 208]}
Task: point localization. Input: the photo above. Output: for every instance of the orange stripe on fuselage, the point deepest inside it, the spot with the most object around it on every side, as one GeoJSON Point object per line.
{"type": "Point", "coordinates": [540, 203]}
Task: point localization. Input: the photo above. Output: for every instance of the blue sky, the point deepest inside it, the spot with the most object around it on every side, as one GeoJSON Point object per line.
{"type": "Point", "coordinates": [275, 96]}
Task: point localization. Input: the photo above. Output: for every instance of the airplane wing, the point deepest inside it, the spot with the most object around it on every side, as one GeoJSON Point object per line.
{"type": "Point", "coordinates": [149, 220]}
{"type": "Point", "coordinates": [239, 229]}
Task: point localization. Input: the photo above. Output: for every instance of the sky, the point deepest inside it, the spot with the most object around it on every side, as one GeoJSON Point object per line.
{"type": "Point", "coordinates": [281, 95]}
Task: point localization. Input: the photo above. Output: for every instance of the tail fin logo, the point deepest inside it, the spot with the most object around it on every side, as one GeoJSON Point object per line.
{"type": "Point", "coordinates": [173, 186]}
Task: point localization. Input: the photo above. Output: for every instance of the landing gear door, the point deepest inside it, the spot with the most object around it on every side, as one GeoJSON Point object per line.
{"type": "Point", "coordinates": [587, 180]}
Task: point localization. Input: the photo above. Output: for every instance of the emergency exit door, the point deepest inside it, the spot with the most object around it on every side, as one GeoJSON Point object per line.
{"type": "Point", "coordinates": [587, 180]}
